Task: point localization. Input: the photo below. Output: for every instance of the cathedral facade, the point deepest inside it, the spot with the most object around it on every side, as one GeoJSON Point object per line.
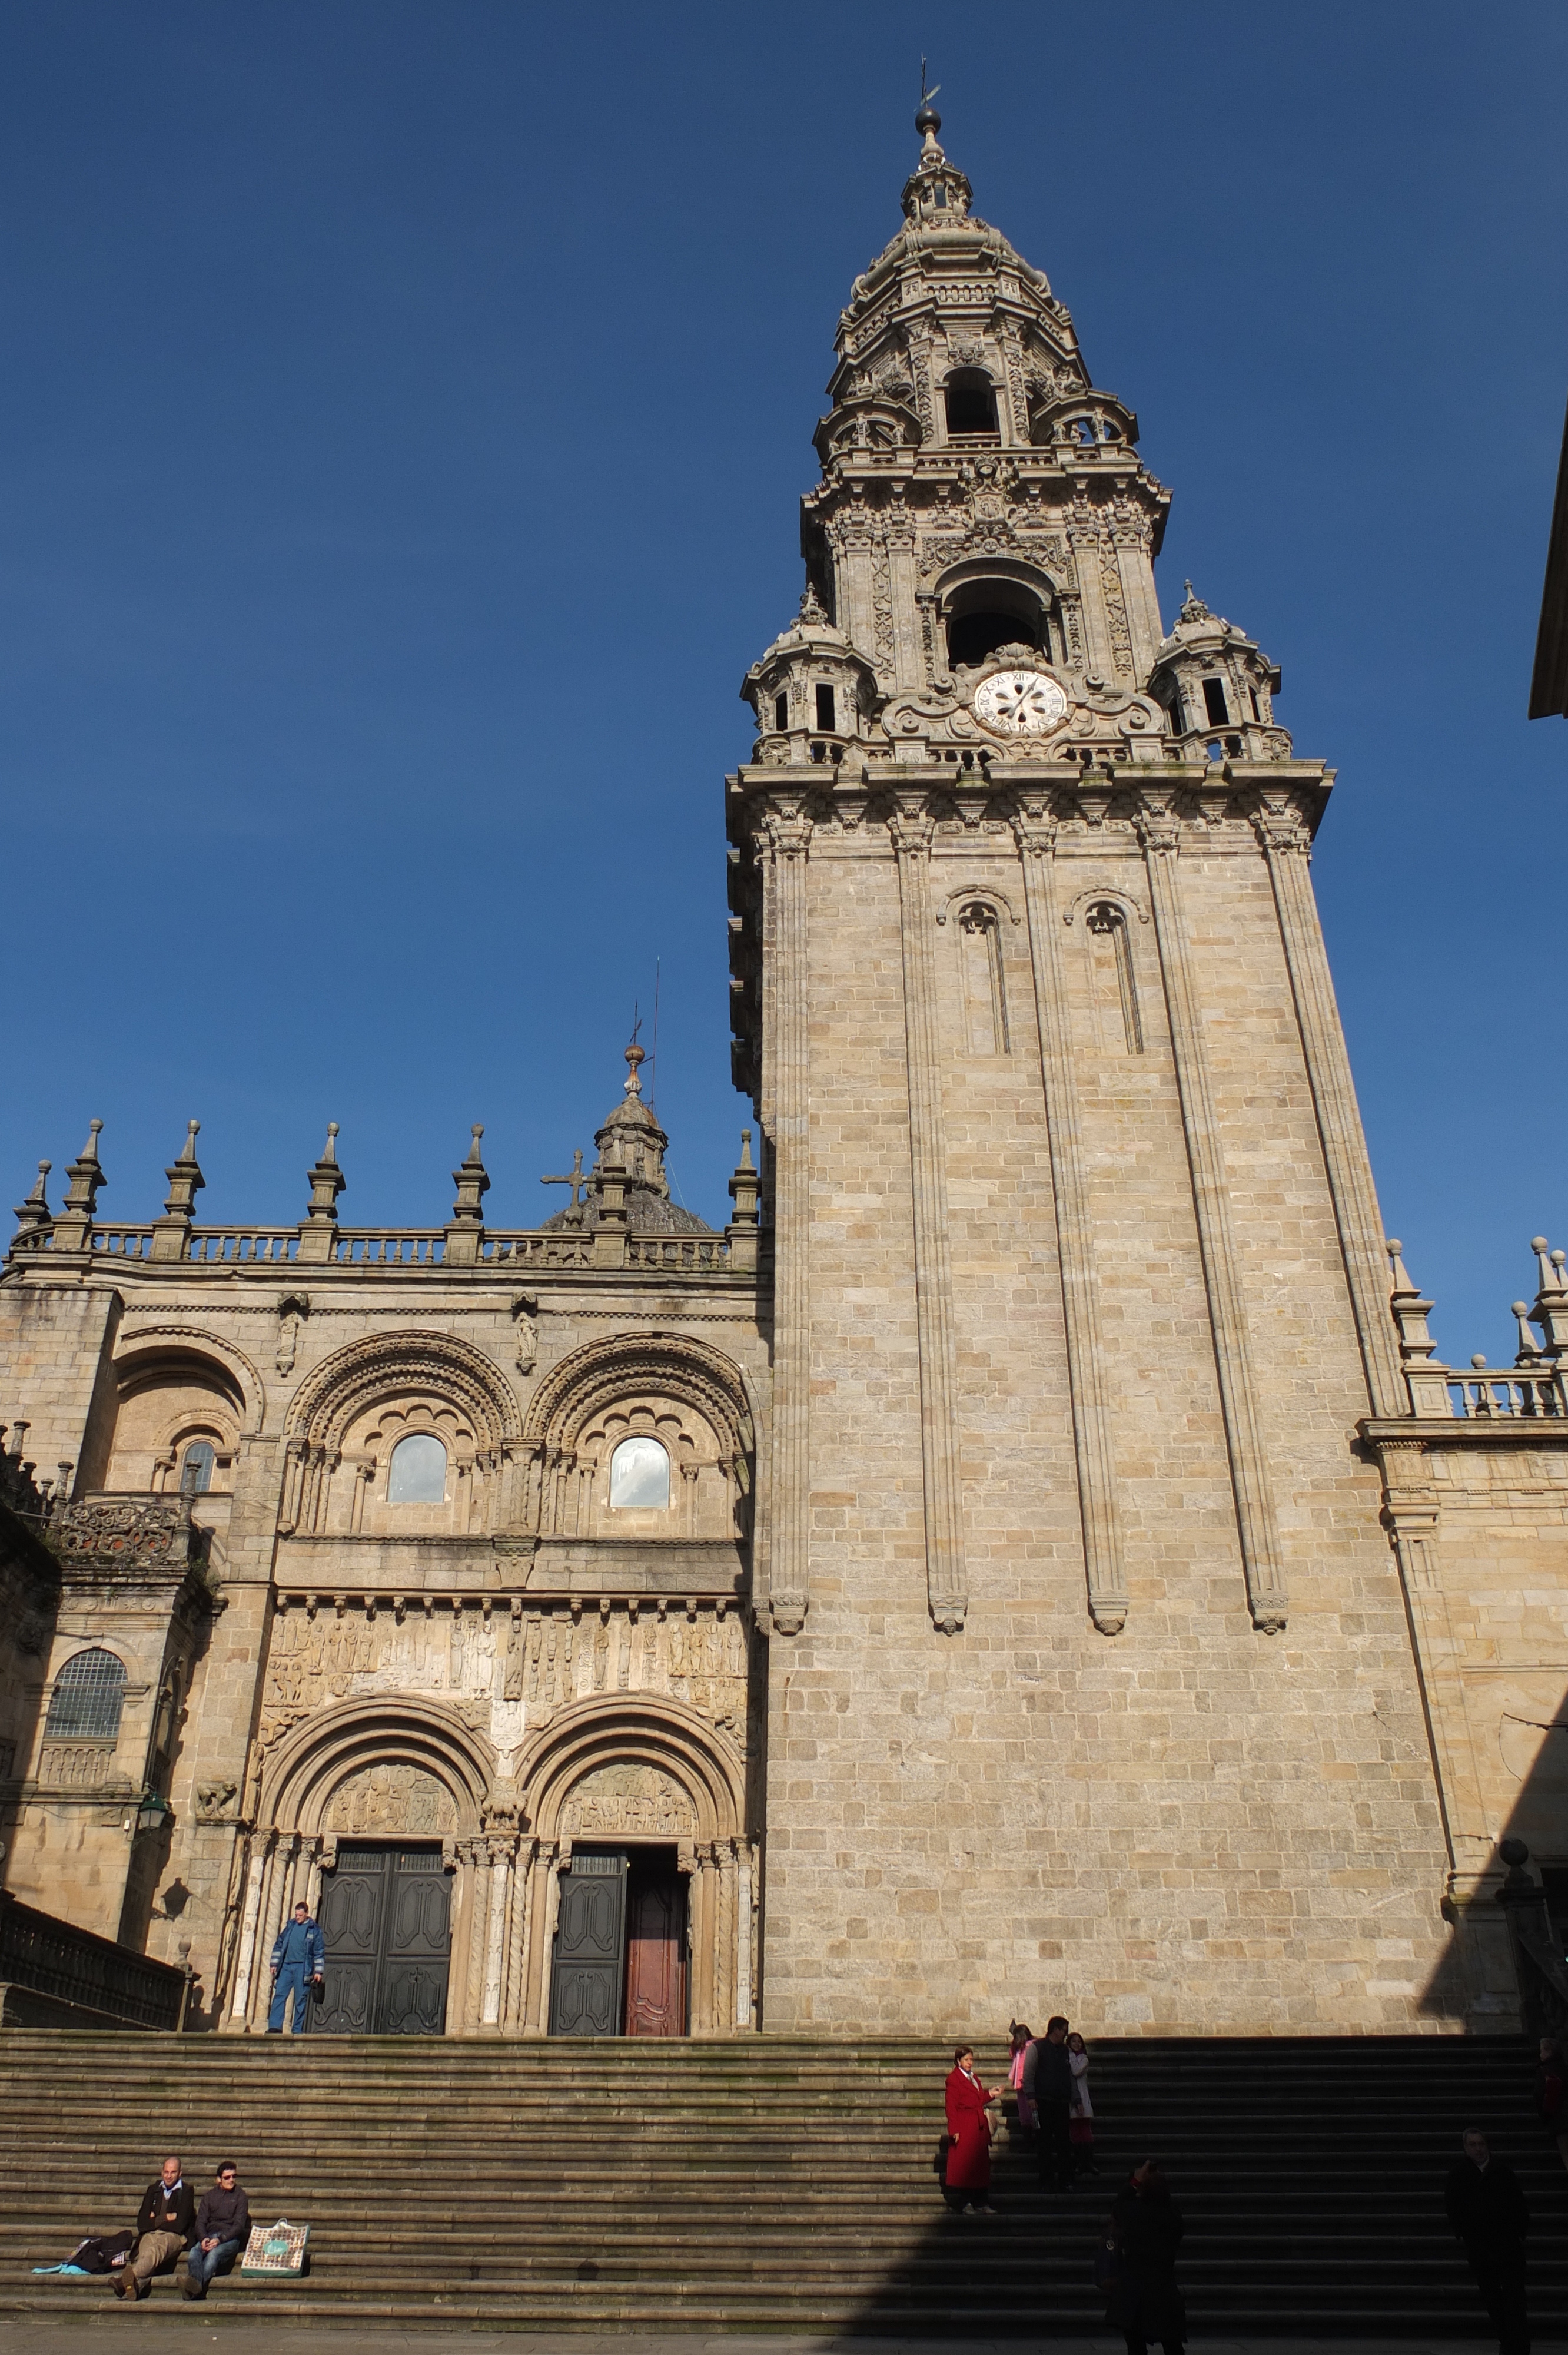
{"type": "Point", "coordinates": [1032, 1557]}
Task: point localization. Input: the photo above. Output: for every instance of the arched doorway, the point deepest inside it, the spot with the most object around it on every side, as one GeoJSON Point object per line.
{"type": "Point", "coordinates": [646, 1878]}
{"type": "Point", "coordinates": [373, 1816]}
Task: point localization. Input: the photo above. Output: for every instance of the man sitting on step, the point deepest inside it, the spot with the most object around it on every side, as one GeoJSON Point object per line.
{"type": "Point", "coordinates": [165, 2222]}
{"type": "Point", "coordinates": [298, 1958]}
{"type": "Point", "coordinates": [222, 2229]}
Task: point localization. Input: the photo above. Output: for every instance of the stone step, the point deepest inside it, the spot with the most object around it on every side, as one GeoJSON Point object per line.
{"type": "Point", "coordinates": [782, 2184]}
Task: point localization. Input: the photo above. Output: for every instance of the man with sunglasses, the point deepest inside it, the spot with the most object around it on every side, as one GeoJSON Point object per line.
{"type": "Point", "coordinates": [222, 2226]}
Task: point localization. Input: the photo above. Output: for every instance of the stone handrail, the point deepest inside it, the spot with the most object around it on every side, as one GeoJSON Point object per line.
{"type": "Point", "coordinates": [124, 1242]}
{"type": "Point", "coordinates": [53, 1958]}
{"type": "Point", "coordinates": [242, 1245]}
{"type": "Point", "coordinates": [526, 1247]}
{"type": "Point", "coordinates": [1510, 1391]}
{"type": "Point", "coordinates": [676, 1252]}
{"type": "Point", "coordinates": [400, 1247]}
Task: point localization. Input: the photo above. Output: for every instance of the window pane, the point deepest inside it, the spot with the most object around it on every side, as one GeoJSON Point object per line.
{"type": "Point", "coordinates": [419, 1473]}
{"type": "Point", "coordinates": [639, 1474]}
{"type": "Point", "coordinates": [87, 1698]}
{"type": "Point", "coordinates": [195, 1472]}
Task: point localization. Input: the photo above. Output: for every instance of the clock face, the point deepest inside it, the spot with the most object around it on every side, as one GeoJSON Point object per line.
{"type": "Point", "coordinates": [1019, 703]}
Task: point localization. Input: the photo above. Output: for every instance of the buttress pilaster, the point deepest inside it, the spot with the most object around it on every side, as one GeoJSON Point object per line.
{"type": "Point", "coordinates": [912, 829]}
{"type": "Point", "coordinates": [1256, 1526]}
{"type": "Point", "coordinates": [787, 832]}
{"type": "Point", "coordinates": [1104, 1568]}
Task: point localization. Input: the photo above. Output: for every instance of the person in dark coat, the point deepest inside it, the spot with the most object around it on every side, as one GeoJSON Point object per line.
{"type": "Point", "coordinates": [1145, 2229]}
{"type": "Point", "coordinates": [222, 2229]}
{"type": "Point", "coordinates": [1552, 2096]}
{"type": "Point", "coordinates": [967, 2182]}
{"type": "Point", "coordinates": [1048, 2084]}
{"type": "Point", "coordinates": [1490, 2214]}
{"type": "Point", "coordinates": [165, 2226]}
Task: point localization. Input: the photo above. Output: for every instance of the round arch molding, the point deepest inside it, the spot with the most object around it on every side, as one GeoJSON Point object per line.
{"type": "Point", "coordinates": [596, 1376]}
{"type": "Point", "coordinates": [141, 1355]}
{"type": "Point", "coordinates": [317, 1758]}
{"type": "Point", "coordinates": [355, 1377]}
{"type": "Point", "coordinates": [626, 1731]}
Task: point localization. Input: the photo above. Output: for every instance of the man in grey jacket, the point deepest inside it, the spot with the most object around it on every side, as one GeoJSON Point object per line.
{"type": "Point", "coordinates": [222, 2227]}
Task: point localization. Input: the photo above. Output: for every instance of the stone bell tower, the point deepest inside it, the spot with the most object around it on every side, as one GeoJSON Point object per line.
{"type": "Point", "coordinates": [1090, 1682]}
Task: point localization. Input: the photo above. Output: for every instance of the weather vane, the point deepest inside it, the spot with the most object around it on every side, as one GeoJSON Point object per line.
{"type": "Point", "coordinates": [926, 95]}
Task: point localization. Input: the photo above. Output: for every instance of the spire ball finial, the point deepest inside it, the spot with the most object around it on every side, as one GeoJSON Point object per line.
{"type": "Point", "coordinates": [928, 117]}
{"type": "Point", "coordinates": [634, 1056]}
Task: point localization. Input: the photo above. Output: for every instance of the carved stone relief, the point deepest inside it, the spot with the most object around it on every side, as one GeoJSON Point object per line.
{"type": "Point", "coordinates": [509, 1670]}
{"type": "Point", "coordinates": [629, 1801]}
{"type": "Point", "coordinates": [394, 1798]}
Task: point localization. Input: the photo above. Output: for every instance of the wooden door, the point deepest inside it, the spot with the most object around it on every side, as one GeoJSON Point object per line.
{"type": "Point", "coordinates": [385, 1917]}
{"type": "Point", "coordinates": [590, 1946]}
{"type": "Point", "coordinates": [416, 1945]}
{"type": "Point", "coordinates": [655, 1953]}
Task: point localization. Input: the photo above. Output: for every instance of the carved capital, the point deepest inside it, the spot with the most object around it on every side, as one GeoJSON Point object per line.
{"type": "Point", "coordinates": [912, 826]}
{"type": "Point", "coordinates": [1154, 817]}
{"type": "Point", "coordinates": [786, 826]}
{"type": "Point", "coordinates": [1034, 826]}
{"type": "Point", "coordinates": [1278, 823]}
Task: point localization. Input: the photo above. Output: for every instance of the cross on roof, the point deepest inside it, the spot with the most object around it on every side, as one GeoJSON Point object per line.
{"type": "Point", "coordinates": [575, 1179]}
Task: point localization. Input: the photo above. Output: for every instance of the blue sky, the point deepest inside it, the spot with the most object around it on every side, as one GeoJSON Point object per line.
{"type": "Point", "coordinates": [402, 415]}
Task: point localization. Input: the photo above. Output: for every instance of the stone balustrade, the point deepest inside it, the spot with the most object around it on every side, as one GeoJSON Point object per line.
{"type": "Point", "coordinates": [98, 1981]}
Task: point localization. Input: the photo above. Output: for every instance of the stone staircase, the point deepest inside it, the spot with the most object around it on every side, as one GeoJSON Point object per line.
{"type": "Point", "coordinates": [775, 2183]}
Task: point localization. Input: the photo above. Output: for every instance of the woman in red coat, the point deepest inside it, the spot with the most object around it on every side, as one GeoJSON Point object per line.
{"type": "Point", "coordinates": [968, 2177]}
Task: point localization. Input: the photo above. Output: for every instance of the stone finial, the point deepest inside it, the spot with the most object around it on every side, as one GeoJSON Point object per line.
{"type": "Point", "coordinates": [472, 1182]}
{"type": "Point", "coordinates": [813, 612]}
{"type": "Point", "coordinates": [741, 1232]}
{"type": "Point", "coordinates": [635, 1057]}
{"type": "Point", "coordinates": [73, 1227]}
{"type": "Point", "coordinates": [1194, 608]}
{"type": "Point", "coordinates": [1529, 1348]}
{"type": "Point", "coordinates": [1424, 1371]}
{"type": "Point", "coordinates": [466, 1231]}
{"type": "Point", "coordinates": [185, 1181]}
{"type": "Point", "coordinates": [1551, 1309]}
{"type": "Point", "coordinates": [318, 1236]}
{"type": "Point", "coordinates": [35, 1213]}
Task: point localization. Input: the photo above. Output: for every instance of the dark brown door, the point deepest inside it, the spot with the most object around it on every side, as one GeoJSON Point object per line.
{"type": "Point", "coordinates": [655, 1952]}
{"type": "Point", "coordinates": [386, 1924]}
{"type": "Point", "coordinates": [590, 1946]}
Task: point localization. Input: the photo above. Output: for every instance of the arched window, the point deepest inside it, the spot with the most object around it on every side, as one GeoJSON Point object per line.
{"type": "Point", "coordinates": [639, 1477]}
{"type": "Point", "coordinates": [985, 995]}
{"type": "Point", "coordinates": [196, 1468]}
{"type": "Point", "coordinates": [985, 614]}
{"type": "Point", "coordinates": [1110, 956]}
{"type": "Point", "coordinates": [88, 1695]}
{"type": "Point", "coordinates": [418, 1472]}
{"type": "Point", "coordinates": [971, 398]}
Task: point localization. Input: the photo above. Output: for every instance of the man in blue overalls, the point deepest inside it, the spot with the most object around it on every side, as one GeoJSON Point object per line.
{"type": "Point", "coordinates": [298, 1957]}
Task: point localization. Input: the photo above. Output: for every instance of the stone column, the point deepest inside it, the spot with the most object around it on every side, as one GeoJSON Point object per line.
{"type": "Point", "coordinates": [514, 2000]}
{"type": "Point", "coordinates": [725, 1978]}
{"type": "Point", "coordinates": [543, 1899]}
{"type": "Point", "coordinates": [1159, 832]}
{"type": "Point", "coordinates": [249, 1926]}
{"type": "Point", "coordinates": [500, 1857]}
{"type": "Point", "coordinates": [912, 829]}
{"type": "Point", "coordinates": [1104, 1566]}
{"type": "Point", "coordinates": [742, 1886]}
{"type": "Point", "coordinates": [786, 1095]}
{"type": "Point", "coordinates": [704, 1932]}
{"type": "Point", "coordinates": [1286, 846]}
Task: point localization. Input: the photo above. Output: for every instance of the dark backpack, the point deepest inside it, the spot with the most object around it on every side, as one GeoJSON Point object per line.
{"type": "Point", "coordinates": [97, 2254]}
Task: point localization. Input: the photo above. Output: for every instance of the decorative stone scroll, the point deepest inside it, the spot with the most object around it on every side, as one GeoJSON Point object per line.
{"type": "Point", "coordinates": [628, 1802]}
